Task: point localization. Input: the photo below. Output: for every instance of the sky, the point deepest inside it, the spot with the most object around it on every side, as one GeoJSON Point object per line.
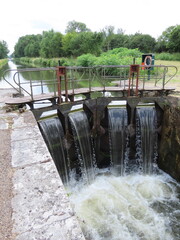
{"type": "Point", "coordinates": [21, 17]}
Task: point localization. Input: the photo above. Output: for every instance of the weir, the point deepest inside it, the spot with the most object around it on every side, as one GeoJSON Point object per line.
{"type": "Point", "coordinates": [108, 157]}
{"type": "Point", "coordinates": [116, 139]}
{"type": "Point", "coordinates": [110, 169]}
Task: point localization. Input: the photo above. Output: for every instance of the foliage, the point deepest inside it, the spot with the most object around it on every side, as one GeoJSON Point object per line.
{"type": "Point", "coordinates": [79, 40]}
{"type": "Point", "coordinates": [51, 44]}
{"type": "Point", "coordinates": [47, 62]}
{"type": "Point", "coordinates": [174, 39]}
{"type": "Point", "coordinates": [3, 62]}
{"type": "Point", "coordinates": [169, 40]}
{"type": "Point", "coordinates": [28, 45]}
{"type": "Point", "coordinates": [86, 60]}
{"type": "Point", "coordinates": [77, 27]}
{"type": "Point", "coordinates": [143, 42]}
{"type": "Point", "coordinates": [117, 56]}
{"type": "Point", "coordinates": [168, 56]}
{"type": "Point", "coordinates": [3, 49]}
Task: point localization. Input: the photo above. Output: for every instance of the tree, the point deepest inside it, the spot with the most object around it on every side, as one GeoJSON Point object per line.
{"type": "Point", "coordinates": [28, 46]}
{"type": "Point", "coordinates": [174, 39]}
{"type": "Point", "coordinates": [33, 47]}
{"type": "Point", "coordinates": [77, 27]}
{"type": "Point", "coordinates": [51, 44]}
{"type": "Point", "coordinates": [67, 43]}
{"type": "Point", "coordinates": [143, 42]}
{"type": "Point", "coordinates": [118, 40]}
{"type": "Point", "coordinates": [3, 49]}
{"type": "Point", "coordinates": [162, 41]}
{"type": "Point", "coordinates": [109, 34]}
{"type": "Point", "coordinates": [80, 43]}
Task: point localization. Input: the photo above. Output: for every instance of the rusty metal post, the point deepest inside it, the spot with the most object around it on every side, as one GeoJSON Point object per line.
{"type": "Point", "coordinates": [134, 69]}
{"type": "Point", "coordinates": [61, 71]}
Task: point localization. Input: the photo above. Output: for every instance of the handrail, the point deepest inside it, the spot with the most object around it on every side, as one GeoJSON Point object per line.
{"type": "Point", "coordinates": [108, 75]}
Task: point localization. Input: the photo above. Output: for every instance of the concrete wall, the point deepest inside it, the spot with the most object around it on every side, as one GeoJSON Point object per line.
{"type": "Point", "coordinates": [169, 151]}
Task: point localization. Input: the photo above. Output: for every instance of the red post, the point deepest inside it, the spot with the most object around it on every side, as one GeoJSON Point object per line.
{"type": "Point", "coordinates": [134, 69]}
{"type": "Point", "coordinates": [61, 71]}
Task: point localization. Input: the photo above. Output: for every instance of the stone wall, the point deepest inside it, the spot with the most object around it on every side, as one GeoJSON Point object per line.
{"type": "Point", "coordinates": [169, 151]}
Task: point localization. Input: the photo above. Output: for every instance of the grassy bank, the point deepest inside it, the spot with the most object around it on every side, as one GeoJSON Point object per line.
{"type": "Point", "coordinates": [3, 62]}
{"type": "Point", "coordinates": [47, 62]}
{"type": "Point", "coordinates": [167, 56]}
{"type": "Point", "coordinates": [170, 63]}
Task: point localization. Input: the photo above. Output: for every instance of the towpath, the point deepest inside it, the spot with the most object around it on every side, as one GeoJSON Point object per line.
{"type": "Point", "coordinates": [33, 201]}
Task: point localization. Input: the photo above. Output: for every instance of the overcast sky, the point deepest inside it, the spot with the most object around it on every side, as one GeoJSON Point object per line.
{"type": "Point", "coordinates": [21, 17]}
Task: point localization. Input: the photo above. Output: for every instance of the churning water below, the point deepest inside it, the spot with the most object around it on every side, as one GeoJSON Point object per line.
{"type": "Point", "coordinates": [132, 207]}
{"type": "Point", "coordinates": [122, 202]}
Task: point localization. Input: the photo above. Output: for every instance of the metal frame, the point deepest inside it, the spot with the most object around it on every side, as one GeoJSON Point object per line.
{"type": "Point", "coordinates": [73, 75]}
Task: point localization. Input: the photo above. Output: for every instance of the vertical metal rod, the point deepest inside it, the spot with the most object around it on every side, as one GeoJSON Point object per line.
{"type": "Point", "coordinates": [137, 81]}
{"type": "Point", "coordinates": [90, 77]}
{"type": "Point", "coordinates": [58, 84]}
{"type": "Point", "coordinates": [66, 85]}
{"type": "Point", "coordinates": [42, 87]}
{"type": "Point", "coordinates": [164, 77]}
{"type": "Point", "coordinates": [72, 81]}
{"type": "Point", "coordinates": [129, 88]}
{"type": "Point", "coordinates": [19, 83]}
{"type": "Point", "coordinates": [31, 88]}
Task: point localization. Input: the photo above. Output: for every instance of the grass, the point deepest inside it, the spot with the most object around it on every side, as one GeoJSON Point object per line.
{"type": "Point", "coordinates": [175, 82]}
{"type": "Point", "coordinates": [3, 62]}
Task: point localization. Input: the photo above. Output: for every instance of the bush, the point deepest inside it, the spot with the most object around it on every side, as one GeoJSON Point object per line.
{"type": "Point", "coordinates": [86, 60]}
{"type": "Point", "coordinates": [117, 56]}
{"type": "Point", "coordinates": [3, 62]}
{"type": "Point", "coordinates": [168, 56]}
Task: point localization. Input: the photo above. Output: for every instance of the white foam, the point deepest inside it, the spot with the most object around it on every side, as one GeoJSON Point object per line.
{"type": "Point", "coordinates": [115, 208]}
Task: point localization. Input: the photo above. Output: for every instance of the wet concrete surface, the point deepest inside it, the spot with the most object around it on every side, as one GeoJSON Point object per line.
{"type": "Point", "coordinates": [33, 201]}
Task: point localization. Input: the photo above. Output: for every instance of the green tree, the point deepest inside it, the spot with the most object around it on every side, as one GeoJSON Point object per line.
{"type": "Point", "coordinates": [108, 33]}
{"type": "Point", "coordinates": [77, 27]}
{"type": "Point", "coordinates": [33, 46]}
{"type": "Point", "coordinates": [67, 43]}
{"type": "Point", "coordinates": [51, 44]}
{"type": "Point", "coordinates": [143, 42]}
{"type": "Point", "coordinates": [3, 49]}
{"type": "Point", "coordinates": [28, 46]}
{"type": "Point", "coordinates": [119, 40]}
{"type": "Point", "coordinates": [162, 41]}
{"type": "Point", "coordinates": [77, 44]}
{"type": "Point", "coordinates": [174, 39]}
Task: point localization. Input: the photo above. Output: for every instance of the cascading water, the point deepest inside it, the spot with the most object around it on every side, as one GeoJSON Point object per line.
{"type": "Point", "coordinates": [143, 205]}
{"type": "Point", "coordinates": [81, 133]}
{"type": "Point", "coordinates": [146, 138]}
{"type": "Point", "coordinates": [53, 134]}
{"type": "Point", "coordinates": [132, 207]}
{"type": "Point", "coordinates": [118, 138]}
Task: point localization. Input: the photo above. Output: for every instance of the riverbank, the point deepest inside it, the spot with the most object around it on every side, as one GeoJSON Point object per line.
{"type": "Point", "coordinates": [33, 201]}
{"type": "Point", "coordinates": [3, 62]}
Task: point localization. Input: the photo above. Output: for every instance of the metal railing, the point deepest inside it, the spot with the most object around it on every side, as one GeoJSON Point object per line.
{"type": "Point", "coordinates": [33, 81]}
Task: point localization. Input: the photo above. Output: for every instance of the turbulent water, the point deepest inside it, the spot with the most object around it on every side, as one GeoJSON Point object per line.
{"type": "Point", "coordinates": [139, 204]}
{"type": "Point", "coordinates": [132, 207]}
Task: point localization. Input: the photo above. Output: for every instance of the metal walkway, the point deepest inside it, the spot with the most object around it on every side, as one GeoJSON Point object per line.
{"type": "Point", "coordinates": [65, 84]}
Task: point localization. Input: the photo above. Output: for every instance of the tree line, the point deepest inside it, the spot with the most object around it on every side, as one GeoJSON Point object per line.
{"type": "Point", "coordinates": [78, 40]}
{"type": "Point", "coordinates": [3, 49]}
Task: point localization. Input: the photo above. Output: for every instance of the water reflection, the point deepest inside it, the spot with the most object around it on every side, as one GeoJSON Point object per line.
{"type": "Point", "coordinates": [37, 77]}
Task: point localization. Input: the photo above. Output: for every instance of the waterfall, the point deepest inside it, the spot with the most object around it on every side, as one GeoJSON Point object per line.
{"type": "Point", "coordinates": [117, 206]}
{"type": "Point", "coordinates": [118, 138]}
{"type": "Point", "coordinates": [81, 133]}
{"type": "Point", "coordinates": [146, 138]}
{"type": "Point", "coordinates": [53, 134]}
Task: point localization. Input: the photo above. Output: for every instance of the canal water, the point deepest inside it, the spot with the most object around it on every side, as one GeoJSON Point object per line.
{"type": "Point", "coordinates": [25, 77]}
